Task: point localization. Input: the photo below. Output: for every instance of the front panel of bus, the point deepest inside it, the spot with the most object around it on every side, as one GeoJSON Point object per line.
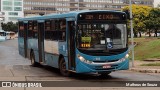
{"type": "Point", "coordinates": [2, 35]}
{"type": "Point", "coordinates": [101, 41]}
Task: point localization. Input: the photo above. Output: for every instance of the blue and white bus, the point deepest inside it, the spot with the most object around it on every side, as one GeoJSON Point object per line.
{"type": "Point", "coordinates": [81, 41]}
{"type": "Point", "coordinates": [2, 35]}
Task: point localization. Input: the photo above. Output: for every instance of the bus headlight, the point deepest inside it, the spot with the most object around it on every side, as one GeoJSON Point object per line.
{"type": "Point", "coordinates": [84, 60]}
{"type": "Point", "coordinates": [127, 56]}
{"type": "Point", "coordinates": [123, 59]}
{"type": "Point", "coordinates": [81, 58]}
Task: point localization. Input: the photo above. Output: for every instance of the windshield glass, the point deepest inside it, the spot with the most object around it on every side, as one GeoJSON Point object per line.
{"type": "Point", "coordinates": [101, 36]}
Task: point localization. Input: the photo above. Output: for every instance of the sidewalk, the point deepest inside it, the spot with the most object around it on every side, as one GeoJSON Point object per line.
{"type": "Point", "coordinates": [145, 69]}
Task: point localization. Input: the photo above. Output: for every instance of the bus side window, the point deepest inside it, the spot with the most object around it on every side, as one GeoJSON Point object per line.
{"type": "Point", "coordinates": [21, 30]}
{"type": "Point", "coordinates": [63, 24]}
{"type": "Point", "coordinates": [51, 30]}
{"type": "Point", "coordinates": [62, 30]}
{"type": "Point", "coordinates": [57, 26]}
{"type": "Point", "coordinates": [35, 29]}
{"type": "Point", "coordinates": [54, 29]}
{"type": "Point", "coordinates": [30, 29]}
{"type": "Point", "coordinates": [47, 29]}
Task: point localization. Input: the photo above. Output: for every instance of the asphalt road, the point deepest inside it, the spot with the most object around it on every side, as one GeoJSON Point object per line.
{"type": "Point", "coordinates": [14, 67]}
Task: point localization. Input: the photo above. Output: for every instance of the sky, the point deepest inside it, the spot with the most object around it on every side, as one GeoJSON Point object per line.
{"type": "Point", "coordinates": [156, 2]}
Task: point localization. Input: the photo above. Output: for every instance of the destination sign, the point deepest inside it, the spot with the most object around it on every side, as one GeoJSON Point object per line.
{"type": "Point", "coordinates": [102, 16]}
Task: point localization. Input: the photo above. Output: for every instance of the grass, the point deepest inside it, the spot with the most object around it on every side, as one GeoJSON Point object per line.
{"type": "Point", "coordinates": [147, 48]}
{"type": "Point", "coordinates": [151, 64]}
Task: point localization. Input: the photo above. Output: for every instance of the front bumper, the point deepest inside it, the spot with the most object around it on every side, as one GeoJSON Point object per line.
{"type": "Point", "coordinates": [98, 67]}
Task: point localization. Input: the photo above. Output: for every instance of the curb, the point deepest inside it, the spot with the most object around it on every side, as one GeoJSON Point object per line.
{"type": "Point", "coordinates": [152, 60]}
{"type": "Point", "coordinates": [146, 70]}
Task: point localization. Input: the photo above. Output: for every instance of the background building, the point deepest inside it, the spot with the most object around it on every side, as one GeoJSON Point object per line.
{"type": "Point", "coordinates": [156, 2]}
{"type": "Point", "coordinates": [34, 7]}
{"type": "Point", "coordinates": [12, 9]}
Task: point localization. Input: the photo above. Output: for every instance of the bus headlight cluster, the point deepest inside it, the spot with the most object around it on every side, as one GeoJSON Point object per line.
{"type": "Point", "coordinates": [84, 60]}
{"type": "Point", "coordinates": [127, 56]}
{"type": "Point", "coordinates": [123, 59]}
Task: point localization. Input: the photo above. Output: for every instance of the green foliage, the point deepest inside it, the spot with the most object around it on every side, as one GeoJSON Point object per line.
{"type": "Point", "coordinates": [147, 48]}
{"type": "Point", "coordinates": [155, 17]}
{"type": "Point", "coordinates": [10, 26]}
{"type": "Point", "coordinates": [144, 18]}
{"type": "Point", "coordinates": [153, 21]}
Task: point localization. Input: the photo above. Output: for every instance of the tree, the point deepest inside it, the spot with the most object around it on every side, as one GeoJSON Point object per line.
{"type": "Point", "coordinates": [149, 26]}
{"type": "Point", "coordinates": [139, 13]}
{"type": "Point", "coordinates": [10, 26]}
{"type": "Point", "coordinates": [154, 19]}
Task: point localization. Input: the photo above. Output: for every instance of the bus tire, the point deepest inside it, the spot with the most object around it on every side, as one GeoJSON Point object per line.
{"type": "Point", "coordinates": [33, 62]}
{"type": "Point", "coordinates": [62, 68]}
{"type": "Point", "coordinates": [104, 74]}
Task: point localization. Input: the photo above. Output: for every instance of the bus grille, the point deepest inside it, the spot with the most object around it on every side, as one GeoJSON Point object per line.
{"type": "Point", "coordinates": [105, 61]}
{"type": "Point", "coordinates": [102, 53]}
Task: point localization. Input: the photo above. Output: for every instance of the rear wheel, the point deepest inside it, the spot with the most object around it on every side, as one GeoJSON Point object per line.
{"type": "Point", "coordinates": [62, 67]}
{"type": "Point", "coordinates": [32, 57]}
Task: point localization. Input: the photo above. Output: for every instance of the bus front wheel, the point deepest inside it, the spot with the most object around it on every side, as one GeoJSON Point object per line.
{"type": "Point", "coordinates": [62, 67]}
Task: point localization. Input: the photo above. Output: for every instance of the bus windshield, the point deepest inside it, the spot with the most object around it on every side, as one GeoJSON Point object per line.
{"type": "Point", "coordinates": [2, 33]}
{"type": "Point", "coordinates": [101, 36]}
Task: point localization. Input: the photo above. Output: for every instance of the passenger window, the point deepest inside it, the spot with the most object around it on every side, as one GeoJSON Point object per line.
{"type": "Point", "coordinates": [30, 32]}
{"type": "Point", "coordinates": [55, 30]}
{"type": "Point", "coordinates": [50, 30]}
{"type": "Point", "coordinates": [62, 30]}
{"type": "Point", "coordinates": [21, 29]}
{"type": "Point", "coordinates": [35, 29]}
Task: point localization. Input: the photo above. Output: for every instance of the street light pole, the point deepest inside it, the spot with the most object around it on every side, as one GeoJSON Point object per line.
{"type": "Point", "coordinates": [132, 41]}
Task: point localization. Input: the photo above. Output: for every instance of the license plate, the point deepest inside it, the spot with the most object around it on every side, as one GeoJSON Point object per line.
{"type": "Point", "coordinates": [107, 66]}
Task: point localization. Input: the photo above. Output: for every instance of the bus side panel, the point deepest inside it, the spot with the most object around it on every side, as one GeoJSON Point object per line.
{"type": "Point", "coordinates": [36, 53]}
{"type": "Point", "coordinates": [55, 49]}
{"type": "Point", "coordinates": [51, 60]}
{"type": "Point", "coordinates": [29, 48]}
{"type": "Point", "coordinates": [51, 53]}
{"type": "Point", "coordinates": [21, 46]}
{"type": "Point", "coordinates": [63, 50]}
{"type": "Point", "coordinates": [33, 45]}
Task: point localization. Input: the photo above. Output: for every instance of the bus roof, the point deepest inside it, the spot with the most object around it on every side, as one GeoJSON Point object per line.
{"type": "Point", "coordinates": [64, 15]}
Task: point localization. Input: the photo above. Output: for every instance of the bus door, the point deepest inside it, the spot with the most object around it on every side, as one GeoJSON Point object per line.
{"type": "Point", "coordinates": [41, 41]}
{"type": "Point", "coordinates": [71, 45]}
